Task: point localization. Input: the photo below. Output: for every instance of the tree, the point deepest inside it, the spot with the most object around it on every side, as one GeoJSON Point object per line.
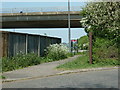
{"type": "Point", "coordinates": [103, 19]}
{"type": "Point", "coordinates": [83, 42]}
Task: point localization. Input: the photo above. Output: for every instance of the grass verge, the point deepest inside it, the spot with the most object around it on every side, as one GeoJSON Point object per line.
{"type": "Point", "coordinates": [2, 77]}
{"type": "Point", "coordinates": [82, 62]}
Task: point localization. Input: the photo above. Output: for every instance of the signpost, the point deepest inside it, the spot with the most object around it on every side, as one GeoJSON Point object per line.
{"type": "Point", "coordinates": [73, 46]}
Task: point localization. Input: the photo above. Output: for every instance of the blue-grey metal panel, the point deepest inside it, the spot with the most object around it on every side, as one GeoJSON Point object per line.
{"type": "Point", "coordinates": [42, 45]}
{"type": "Point", "coordinates": [33, 44]}
{"type": "Point", "coordinates": [16, 44]}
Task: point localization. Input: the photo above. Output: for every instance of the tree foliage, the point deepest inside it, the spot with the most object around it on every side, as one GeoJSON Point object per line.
{"type": "Point", "coordinates": [103, 19]}
{"type": "Point", "coordinates": [83, 42]}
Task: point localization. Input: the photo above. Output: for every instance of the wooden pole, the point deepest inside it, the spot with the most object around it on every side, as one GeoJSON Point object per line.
{"type": "Point", "coordinates": [90, 47]}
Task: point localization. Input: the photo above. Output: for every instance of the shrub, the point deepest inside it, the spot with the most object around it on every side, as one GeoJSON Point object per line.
{"type": "Point", "coordinates": [83, 42]}
{"type": "Point", "coordinates": [104, 49]}
{"type": "Point", "coordinates": [2, 77]}
{"type": "Point", "coordinates": [20, 61]}
{"type": "Point", "coordinates": [57, 51]}
{"type": "Point", "coordinates": [109, 61]}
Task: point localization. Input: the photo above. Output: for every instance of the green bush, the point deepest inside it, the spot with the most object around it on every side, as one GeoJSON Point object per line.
{"type": "Point", "coordinates": [110, 62]}
{"type": "Point", "coordinates": [83, 42]}
{"type": "Point", "coordinates": [20, 61]}
{"type": "Point", "coordinates": [57, 52]}
{"type": "Point", "coordinates": [104, 49]}
{"type": "Point", "coordinates": [2, 77]}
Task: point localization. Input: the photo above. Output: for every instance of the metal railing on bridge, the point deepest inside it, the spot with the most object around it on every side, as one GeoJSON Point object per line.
{"type": "Point", "coordinates": [39, 9]}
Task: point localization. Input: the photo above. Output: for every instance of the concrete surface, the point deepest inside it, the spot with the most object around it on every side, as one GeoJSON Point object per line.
{"type": "Point", "coordinates": [41, 70]}
{"type": "Point", "coordinates": [91, 79]}
{"type": "Point", "coordinates": [45, 70]}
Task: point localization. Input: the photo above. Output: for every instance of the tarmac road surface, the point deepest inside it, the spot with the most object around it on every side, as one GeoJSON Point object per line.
{"type": "Point", "coordinates": [90, 79]}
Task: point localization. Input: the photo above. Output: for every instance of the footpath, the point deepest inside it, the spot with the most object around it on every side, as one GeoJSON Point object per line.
{"type": "Point", "coordinates": [44, 70]}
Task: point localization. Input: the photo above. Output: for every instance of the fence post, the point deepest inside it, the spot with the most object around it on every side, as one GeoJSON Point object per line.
{"type": "Point", "coordinates": [90, 47]}
{"type": "Point", "coordinates": [26, 44]}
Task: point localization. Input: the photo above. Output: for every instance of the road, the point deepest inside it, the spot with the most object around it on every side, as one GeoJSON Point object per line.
{"type": "Point", "coordinates": [91, 79]}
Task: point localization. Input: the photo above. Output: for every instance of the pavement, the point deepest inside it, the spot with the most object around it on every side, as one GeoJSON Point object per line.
{"type": "Point", "coordinates": [45, 70]}
{"type": "Point", "coordinates": [92, 79]}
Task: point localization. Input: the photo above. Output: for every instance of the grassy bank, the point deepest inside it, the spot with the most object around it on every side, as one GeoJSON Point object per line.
{"type": "Point", "coordinates": [83, 62]}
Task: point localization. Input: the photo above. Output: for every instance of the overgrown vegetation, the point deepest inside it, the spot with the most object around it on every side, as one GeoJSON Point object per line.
{"type": "Point", "coordinates": [103, 49]}
{"type": "Point", "coordinates": [103, 20]}
{"type": "Point", "coordinates": [83, 62]}
{"type": "Point", "coordinates": [2, 77]}
{"type": "Point", "coordinates": [55, 52]}
{"type": "Point", "coordinates": [20, 61]}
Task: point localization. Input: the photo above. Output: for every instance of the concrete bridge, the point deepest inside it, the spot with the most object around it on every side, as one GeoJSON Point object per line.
{"type": "Point", "coordinates": [47, 17]}
{"type": "Point", "coordinates": [40, 20]}
{"type": "Point", "coordinates": [50, 19]}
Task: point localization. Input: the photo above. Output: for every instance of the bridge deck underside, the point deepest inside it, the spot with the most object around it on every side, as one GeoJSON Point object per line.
{"type": "Point", "coordinates": [41, 24]}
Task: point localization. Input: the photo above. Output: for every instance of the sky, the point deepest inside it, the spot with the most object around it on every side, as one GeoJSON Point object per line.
{"type": "Point", "coordinates": [39, 4]}
{"type": "Point", "coordinates": [55, 32]}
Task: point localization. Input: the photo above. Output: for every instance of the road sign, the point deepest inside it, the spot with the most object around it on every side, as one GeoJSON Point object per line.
{"type": "Point", "coordinates": [73, 40]}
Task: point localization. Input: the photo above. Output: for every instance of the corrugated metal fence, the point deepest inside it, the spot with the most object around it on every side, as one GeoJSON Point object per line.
{"type": "Point", "coordinates": [14, 43]}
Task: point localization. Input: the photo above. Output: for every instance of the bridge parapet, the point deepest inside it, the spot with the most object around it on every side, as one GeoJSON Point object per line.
{"type": "Point", "coordinates": [39, 9]}
{"type": "Point", "coordinates": [40, 13]}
